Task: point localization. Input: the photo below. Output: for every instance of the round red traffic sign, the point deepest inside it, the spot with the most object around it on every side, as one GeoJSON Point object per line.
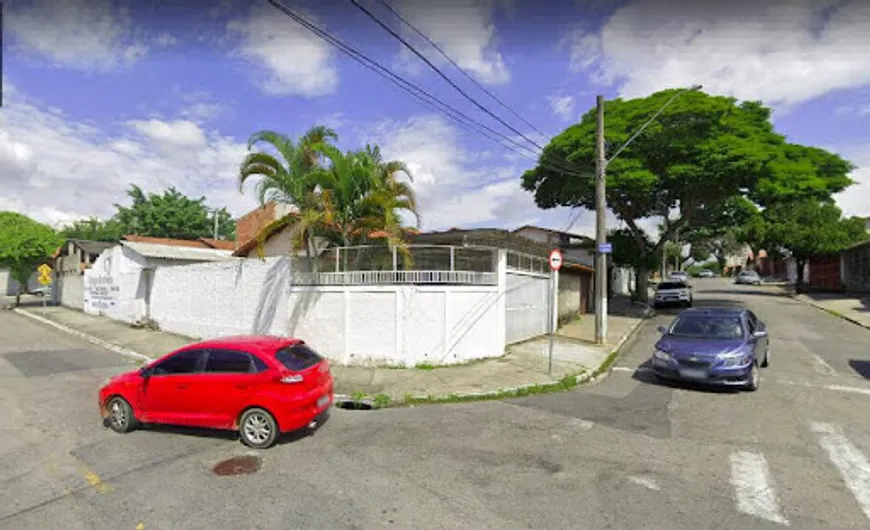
{"type": "Point", "coordinates": [555, 259]}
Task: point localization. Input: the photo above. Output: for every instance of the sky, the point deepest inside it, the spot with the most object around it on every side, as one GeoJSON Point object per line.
{"type": "Point", "coordinates": [98, 94]}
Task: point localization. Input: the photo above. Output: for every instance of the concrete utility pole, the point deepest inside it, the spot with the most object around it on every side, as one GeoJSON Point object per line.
{"type": "Point", "coordinates": [600, 228]}
{"type": "Point", "coordinates": [215, 223]}
{"type": "Point", "coordinates": [601, 209]}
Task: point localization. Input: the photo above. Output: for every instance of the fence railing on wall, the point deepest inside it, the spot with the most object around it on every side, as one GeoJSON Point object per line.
{"type": "Point", "coordinates": [397, 278]}
{"type": "Point", "coordinates": [415, 264]}
{"type": "Point", "coordinates": [519, 261]}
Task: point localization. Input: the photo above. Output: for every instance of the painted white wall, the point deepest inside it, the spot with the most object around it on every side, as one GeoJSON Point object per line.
{"type": "Point", "coordinates": [113, 286]}
{"type": "Point", "coordinates": [359, 325]}
{"type": "Point", "coordinates": [527, 305]}
{"type": "Point", "coordinates": [69, 290]}
{"type": "Point", "coordinates": [10, 286]}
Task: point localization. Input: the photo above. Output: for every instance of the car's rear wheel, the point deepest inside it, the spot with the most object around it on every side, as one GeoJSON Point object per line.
{"type": "Point", "coordinates": [121, 417]}
{"type": "Point", "coordinates": [258, 428]}
{"type": "Point", "coordinates": [754, 379]}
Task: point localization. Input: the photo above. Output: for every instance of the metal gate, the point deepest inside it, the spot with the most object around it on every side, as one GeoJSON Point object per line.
{"type": "Point", "coordinates": [526, 297]}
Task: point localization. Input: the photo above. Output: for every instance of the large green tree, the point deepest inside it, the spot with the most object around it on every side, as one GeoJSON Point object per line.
{"type": "Point", "coordinates": [699, 152]}
{"type": "Point", "coordinates": [171, 214]}
{"type": "Point", "coordinates": [24, 245]}
{"type": "Point", "coordinates": [806, 228]}
{"type": "Point", "coordinates": [93, 229]}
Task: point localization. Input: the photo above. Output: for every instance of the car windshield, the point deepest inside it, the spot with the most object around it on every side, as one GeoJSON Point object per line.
{"type": "Point", "coordinates": [749, 273]}
{"type": "Point", "coordinates": [672, 285]}
{"type": "Point", "coordinates": [708, 327]}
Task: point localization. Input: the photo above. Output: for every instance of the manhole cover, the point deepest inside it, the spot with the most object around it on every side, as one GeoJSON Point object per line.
{"type": "Point", "coordinates": [238, 465]}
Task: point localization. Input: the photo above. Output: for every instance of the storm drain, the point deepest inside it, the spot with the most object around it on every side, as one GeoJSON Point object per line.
{"type": "Point", "coordinates": [238, 465]}
{"type": "Point", "coordinates": [354, 404]}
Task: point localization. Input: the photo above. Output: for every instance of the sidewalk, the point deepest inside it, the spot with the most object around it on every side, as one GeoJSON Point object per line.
{"type": "Point", "coordinates": [524, 365]}
{"type": "Point", "coordinates": [852, 308]}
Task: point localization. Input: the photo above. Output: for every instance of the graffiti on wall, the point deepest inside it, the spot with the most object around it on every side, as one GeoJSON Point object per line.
{"type": "Point", "coordinates": [101, 293]}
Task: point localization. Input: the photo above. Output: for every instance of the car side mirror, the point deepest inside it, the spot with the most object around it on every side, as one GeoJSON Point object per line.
{"type": "Point", "coordinates": [663, 330]}
{"type": "Point", "coordinates": [145, 372]}
{"type": "Point", "coordinates": [760, 334]}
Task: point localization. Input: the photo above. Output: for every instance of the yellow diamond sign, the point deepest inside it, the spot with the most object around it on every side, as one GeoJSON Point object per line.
{"type": "Point", "coordinates": [44, 274]}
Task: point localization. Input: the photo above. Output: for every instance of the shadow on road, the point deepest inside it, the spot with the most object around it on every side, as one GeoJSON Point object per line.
{"type": "Point", "coordinates": [743, 291]}
{"type": "Point", "coordinates": [219, 434]}
{"type": "Point", "coordinates": [644, 374]}
{"type": "Point", "coordinates": [862, 368]}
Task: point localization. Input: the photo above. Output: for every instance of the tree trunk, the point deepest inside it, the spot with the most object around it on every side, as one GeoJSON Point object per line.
{"type": "Point", "coordinates": [641, 284]}
{"type": "Point", "coordinates": [721, 262]}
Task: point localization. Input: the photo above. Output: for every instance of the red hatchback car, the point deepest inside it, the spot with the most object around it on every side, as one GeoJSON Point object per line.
{"type": "Point", "coordinates": [259, 385]}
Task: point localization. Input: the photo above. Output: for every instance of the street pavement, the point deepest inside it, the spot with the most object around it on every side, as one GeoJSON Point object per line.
{"type": "Point", "coordinates": [626, 453]}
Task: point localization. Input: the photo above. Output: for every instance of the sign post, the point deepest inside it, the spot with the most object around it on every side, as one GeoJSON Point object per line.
{"type": "Point", "coordinates": [555, 261]}
{"type": "Point", "coordinates": [44, 279]}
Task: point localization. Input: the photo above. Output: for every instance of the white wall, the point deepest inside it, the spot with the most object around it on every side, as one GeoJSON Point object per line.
{"type": "Point", "coordinates": [10, 286]}
{"type": "Point", "coordinates": [113, 287]}
{"type": "Point", "coordinates": [69, 290]}
{"type": "Point", "coordinates": [527, 305]}
{"type": "Point", "coordinates": [360, 325]}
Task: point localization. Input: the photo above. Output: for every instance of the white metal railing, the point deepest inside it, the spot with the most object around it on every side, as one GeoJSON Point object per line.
{"type": "Point", "coordinates": [520, 261]}
{"type": "Point", "coordinates": [420, 257]}
{"type": "Point", "coordinates": [396, 278]}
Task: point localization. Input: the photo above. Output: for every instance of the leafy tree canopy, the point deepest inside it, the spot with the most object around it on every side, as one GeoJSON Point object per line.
{"type": "Point", "coordinates": [807, 228]}
{"type": "Point", "coordinates": [24, 245]}
{"type": "Point", "coordinates": [170, 214]}
{"type": "Point", "coordinates": [699, 153]}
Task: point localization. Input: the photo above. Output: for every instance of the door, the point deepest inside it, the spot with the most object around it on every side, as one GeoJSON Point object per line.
{"type": "Point", "coordinates": [169, 393]}
{"type": "Point", "coordinates": [231, 377]}
{"type": "Point", "coordinates": [759, 345]}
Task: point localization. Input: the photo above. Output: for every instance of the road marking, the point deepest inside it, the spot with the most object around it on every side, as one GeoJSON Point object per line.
{"type": "Point", "coordinates": [639, 369]}
{"type": "Point", "coordinates": [837, 388]}
{"type": "Point", "coordinates": [95, 481]}
{"type": "Point", "coordinates": [822, 365]}
{"type": "Point", "coordinates": [750, 477]}
{"type": "Point", "coordinates": [647, 483]}
{"type": "Point", "coordinates": [852, 464]}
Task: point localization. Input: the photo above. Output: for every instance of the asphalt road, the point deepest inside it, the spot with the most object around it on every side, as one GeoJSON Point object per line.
{"type": "Point", "coordinates": [625, 453]}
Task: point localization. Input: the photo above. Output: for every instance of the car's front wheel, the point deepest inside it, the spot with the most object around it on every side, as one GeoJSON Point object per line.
{"type": "Point", "coordinates": [258, 428]}
{"type": "Point", "coordinates": [121, 417]}
{"type": "Point", "coordinates": [754, 378]}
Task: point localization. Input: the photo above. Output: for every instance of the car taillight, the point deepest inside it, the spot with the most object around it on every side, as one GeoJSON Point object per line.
{"type": "Point", "coordinates": [291, 379]}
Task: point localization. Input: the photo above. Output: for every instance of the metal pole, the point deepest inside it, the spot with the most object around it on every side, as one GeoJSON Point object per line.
{"type": "Point", "coordinates": [215, 224]}
{"type": "Point", "coordinates": [600, 229]}
{"type": "Point", "coordinates": [551, 326]}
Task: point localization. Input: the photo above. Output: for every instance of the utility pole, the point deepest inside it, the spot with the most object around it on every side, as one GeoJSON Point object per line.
{"type": "Point", "coordinates": [600, 229]}
{"type": "Point", "coordinates": [215, 223]}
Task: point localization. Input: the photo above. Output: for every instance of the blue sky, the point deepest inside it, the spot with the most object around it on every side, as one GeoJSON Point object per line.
{"type": "Point", "coordinates": [99, 93]}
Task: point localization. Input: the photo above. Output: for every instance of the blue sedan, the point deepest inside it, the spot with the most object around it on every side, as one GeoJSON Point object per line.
{"type": "Point", "coordinates": [717, 346]}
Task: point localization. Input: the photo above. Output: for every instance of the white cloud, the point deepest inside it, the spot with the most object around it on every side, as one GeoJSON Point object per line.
{"type": "Point", "coordinates": [453, 188]}
{"type": "Point", "coordinates": [295, 61]}
{"type": "Point", "coordinates": [78, 34]}
{"type": "Point", "coordinates": [782, 51]}
{"type": "Point", "coordinates": [854, 201]}
{"type": "Point", "coordinates": [562, 106]}
{"type": "Point", "coordinates": [462, 28]}
{"type": "Point", "coordinates": [56, 169]}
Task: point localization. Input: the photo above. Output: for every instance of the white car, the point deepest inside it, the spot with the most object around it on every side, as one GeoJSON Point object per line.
{"type": "Point", "coordinates": [748, 278]}
{"type": "Point", "coordinates": [706, 273]}
{"type": "Point", "coordinates": [673, 292]}
{"type": "Point", "coordinates": [679, 276]}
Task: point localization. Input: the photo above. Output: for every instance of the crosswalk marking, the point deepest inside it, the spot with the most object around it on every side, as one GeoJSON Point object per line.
{"type": "Point", "coordinates": [750, 477]}
{"type": "Point", "coordinates": [850, 462]}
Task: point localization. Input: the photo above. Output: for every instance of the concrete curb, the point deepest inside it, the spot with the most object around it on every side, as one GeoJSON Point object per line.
{"type": "Point", "coordinates": [585, 377]}
{"type": "Point", "coordinates": [126, 352]}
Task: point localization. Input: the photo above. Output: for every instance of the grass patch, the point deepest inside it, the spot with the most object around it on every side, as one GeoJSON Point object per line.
{"type": "Point", "coordinates": [382, 401]}
{"type": "Point", "coordinates": [425, 366]}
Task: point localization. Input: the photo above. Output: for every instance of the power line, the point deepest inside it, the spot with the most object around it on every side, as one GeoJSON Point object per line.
{"type": "Point", "coordinates": [450, 59]}
{"type": "Point", "coordinates": [442, 74]}
{"type": "Point", "coordinates": [415, 90]}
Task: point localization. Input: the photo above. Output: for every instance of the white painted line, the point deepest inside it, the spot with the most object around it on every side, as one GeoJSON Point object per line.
{"type": "Point", "coordinates": [836, 388]}
{"type": "Point", "coordinates": [852, 464]}
{"type": "Point", "coordinates": [750, 478]}
{"type": "Point", "coordinates": [823, 366]}
{"type": "Point", "coordinates": [647, 483]}
{"type": "Point", "coordinates": [639, 369]}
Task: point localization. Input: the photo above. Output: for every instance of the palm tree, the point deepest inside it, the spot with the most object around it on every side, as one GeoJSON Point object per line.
{"type": "Point", "coordinates": [285, 177]}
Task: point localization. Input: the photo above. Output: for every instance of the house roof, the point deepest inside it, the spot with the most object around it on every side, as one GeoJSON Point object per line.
{"type": "Point", "coordinates": [155, 250]}
{"type": "Point", "coordinates": [551, 231]}
{"type": "Point", "coordinates": [202, 242]}
{"type": "Point", "coordinates": [219, 244]}
{"type": "Point", "coordinates": [92, 248]}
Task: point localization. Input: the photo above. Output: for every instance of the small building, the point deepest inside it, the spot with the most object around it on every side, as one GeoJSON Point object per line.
{"type": "Point", "coordinates": [118, 284]}
{"type": "Point", "coordinates": [71, 260]}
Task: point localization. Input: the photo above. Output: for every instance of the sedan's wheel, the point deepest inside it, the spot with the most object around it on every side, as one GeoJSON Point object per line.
{"type": "Point", "coordinates": [766, 362]}
{"type": "Point", "coordinates": [754, 378]}
{"type": "Point", "coordinates": [258, 429]}
{"type": "Point", "coordinates": [121, 418]}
